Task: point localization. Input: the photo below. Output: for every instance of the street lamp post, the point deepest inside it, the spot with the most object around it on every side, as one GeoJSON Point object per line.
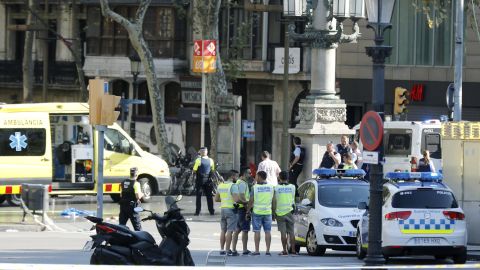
{"type": "Point", "coordinates": [379, 14]}
{"type": "Point", "coordinates": [322, 114]}
{"type": "Point", "coordinates": [135, 64]}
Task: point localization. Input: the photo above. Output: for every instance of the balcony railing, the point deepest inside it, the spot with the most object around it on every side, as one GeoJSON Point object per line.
{"type": "Point", "coordinates": [62, 73]}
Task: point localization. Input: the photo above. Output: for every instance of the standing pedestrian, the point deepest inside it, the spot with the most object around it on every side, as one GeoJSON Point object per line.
{"type": "Point", "coordinates": [348, 162]}
{"type": "Point", "coordinates": [227, 195]}
{"type": "Point", "coordinates": [330, 159]}
{"type": "Point", "coordinates": [425, 164]}
{"type": "Point", "coordinates": [203, 168]}
{"type": "Point", "coordinates": [130, 194]}
{"type": "Point", "coordinates": [243, 221]}
{"type": "Point", "coordinates": [270, 167]}
{"type": "Point", "coordinates": [284, 205]}
{"type": "Point", "coordinates": [343, 147]}
{"type": "Point", "coordinates": [260, 206]}
{"type": "Point", "coordinates": [356, 154]}
{"type": "Point", "coordinates": [296, 161]}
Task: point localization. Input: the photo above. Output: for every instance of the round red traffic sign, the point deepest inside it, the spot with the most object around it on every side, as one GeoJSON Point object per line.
{"type": "Point", "coordinates": [371, 131]}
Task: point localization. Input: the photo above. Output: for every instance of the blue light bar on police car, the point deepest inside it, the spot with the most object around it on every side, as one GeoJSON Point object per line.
{"type": "Point", "coordinates": [422, 176]}
{"type": "Point", "coordinates": [325, 172]}
{"type": "Point", "coordinates": [344, 173]}
{"type": "Point", "coordinates": [354, 173]}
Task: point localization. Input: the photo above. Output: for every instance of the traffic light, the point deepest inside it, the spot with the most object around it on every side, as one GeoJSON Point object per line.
{"type": "Point", "coordinates": [102, 105]}
{"type": "Point", "coordinates": [401, 100]}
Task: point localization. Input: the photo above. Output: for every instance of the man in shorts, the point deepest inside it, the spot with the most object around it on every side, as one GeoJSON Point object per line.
{"type": "Point", "coordinates": [243, 222]}
{"type": "Point", "coordinates": [261, 207]}
{"type": "Point", "coordinates": [227, 195]}
{"type": "Point", "coordinates": [284, 205]}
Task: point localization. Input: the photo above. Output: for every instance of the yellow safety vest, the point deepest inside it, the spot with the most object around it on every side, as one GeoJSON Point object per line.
{"type": "Point", "coordinates": [285, 197]}
{"type": "Point", "coordinates": [225, 195]}
{"type": "Point", "coordinates": [262, 195]}
{"type": "Point", "coordinates": [348, 167]}
{"type": "Point", "coordinates": [247, 192]}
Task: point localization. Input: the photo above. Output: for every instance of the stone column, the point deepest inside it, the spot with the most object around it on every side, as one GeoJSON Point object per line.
{"type": "Point", "coordinates": [3, 32]}
{"type": "Point", "coordinates": [64, 28]}
{"type": "Point", "coordinates": [322, 113]}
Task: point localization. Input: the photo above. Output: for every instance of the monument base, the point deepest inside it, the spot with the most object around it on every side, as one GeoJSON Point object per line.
{"type": "Point", "coordinates": [321, 122]}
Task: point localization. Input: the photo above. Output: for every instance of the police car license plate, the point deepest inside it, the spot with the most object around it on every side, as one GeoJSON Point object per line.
{"type": "Point", "coordinates": [427, 241]}
{"type": "Point", "coordinates": [88, 246]}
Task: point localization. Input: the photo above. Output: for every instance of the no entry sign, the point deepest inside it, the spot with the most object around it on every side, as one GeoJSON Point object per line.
{"type": "Point", "coordinates": [371, 131]}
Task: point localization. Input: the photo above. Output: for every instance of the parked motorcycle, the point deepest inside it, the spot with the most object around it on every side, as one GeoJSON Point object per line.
{"type": "Point", "coordinates": [182, 180]}
{"type": "Point", "coordinates": [118, 245]}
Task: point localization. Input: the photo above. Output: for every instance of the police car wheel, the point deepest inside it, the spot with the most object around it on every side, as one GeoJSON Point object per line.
{"type": "Point", "coordinates": [460, 258]}
{"type": "Point", "coordinates": [313, 248]}
{"type": "Point", "coordinates": [361, 252]}
{"type": "Point", "coordinates": [146, 189]}
{"type": "Point", "coordinates": [14, 199]}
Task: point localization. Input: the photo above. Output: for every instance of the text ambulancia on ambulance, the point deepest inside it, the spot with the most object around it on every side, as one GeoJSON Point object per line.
{"type": "Point", "coordinates": [420, 216]}
{"type": "Point", "coordinates": [327, 213]}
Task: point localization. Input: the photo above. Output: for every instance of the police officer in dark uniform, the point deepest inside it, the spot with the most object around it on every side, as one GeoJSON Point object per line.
{"type": "Point", "coordinates": [203, 167]}
{"type": "Point", "coordinates": [296, 161]}
{"type": "Point", "coordinates": [130, 198]}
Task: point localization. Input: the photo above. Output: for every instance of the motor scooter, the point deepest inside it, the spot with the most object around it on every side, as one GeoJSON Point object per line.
{"type": "Point", "coordinates": [115, 244]}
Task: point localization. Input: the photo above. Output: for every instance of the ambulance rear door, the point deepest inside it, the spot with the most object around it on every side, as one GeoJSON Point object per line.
{"type": "Point", "coordinates": [25, 148]}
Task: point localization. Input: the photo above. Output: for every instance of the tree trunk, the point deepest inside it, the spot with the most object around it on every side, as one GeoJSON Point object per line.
{"type": "Point", "coordinates": [135, 35]}
{"type": "Point", "coordinates": [75, 49]}
{"type": "Point", "coordinates": [27, 63]}
{"type": "Point", "coordinates": [216, 85]}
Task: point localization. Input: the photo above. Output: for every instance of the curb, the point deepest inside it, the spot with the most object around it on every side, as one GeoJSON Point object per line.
{"type": "Point", "coordinates": [20, 227]}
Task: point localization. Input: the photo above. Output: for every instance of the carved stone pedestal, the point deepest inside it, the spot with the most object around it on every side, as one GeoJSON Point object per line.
{"type": "Point", "coordinates": [321, 121]}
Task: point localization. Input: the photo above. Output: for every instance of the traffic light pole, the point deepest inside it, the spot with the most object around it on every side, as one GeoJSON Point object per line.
{"type": "Point", "coordinates": [101, 141]}
{"type": "Point", "coordinates": [378, 53]}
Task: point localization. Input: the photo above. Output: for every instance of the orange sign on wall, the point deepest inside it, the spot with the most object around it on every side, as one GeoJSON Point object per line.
{"type": "Point", "coordinates": [204, 56]}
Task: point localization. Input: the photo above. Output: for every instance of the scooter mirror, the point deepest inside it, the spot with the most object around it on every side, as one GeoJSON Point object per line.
{"type": "Point", "coordinates": [179, 198]}
{"type": "Point", "coordinates": [138, 209]}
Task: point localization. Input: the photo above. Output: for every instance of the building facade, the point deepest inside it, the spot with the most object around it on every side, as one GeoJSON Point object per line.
{"type": "Point", "coordinates": [422, 60]}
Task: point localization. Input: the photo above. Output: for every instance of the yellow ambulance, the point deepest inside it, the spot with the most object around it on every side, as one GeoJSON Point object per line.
{"type": "Point", "coordinates": [54, 143]}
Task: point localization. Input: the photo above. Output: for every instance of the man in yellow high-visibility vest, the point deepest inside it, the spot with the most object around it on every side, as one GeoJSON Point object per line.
{"type": "Point", "coordinates": [261, 207]}
{"type": "Point", "coordinates": [227, 195]}
{"type": "Point", "coordinates": [284, 205]}
{"type": "Point", "coordinates": [243, 224]}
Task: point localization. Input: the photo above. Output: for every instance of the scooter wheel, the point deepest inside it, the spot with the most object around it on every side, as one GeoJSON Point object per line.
{"type": "Point", "coordinates": [94, 260]}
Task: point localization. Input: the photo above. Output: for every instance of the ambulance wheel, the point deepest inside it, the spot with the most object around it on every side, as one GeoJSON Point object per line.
{"type": "Point", "coordinates": [361, 252]}
{"type": "Point", "coordinates": [313, 248]}
{"type": "Point", "coordinates": [146, 188]}
{"type": "Point", "coordinates": [2, 198]}
{"type": "Point", "coordinates": [14, 199]}
{"type": "Point", "coordinates": [115, 197]}
{"type": "Point", "coordinates": [460, 258]}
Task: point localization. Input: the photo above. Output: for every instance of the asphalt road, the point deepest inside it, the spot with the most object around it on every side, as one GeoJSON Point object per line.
{"type": "Point", "coordinates": [64, 245]}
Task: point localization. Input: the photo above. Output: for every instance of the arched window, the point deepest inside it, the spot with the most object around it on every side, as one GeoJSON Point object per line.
{"type": "Point", "coordinates": [172, 99]}
{"type": "Point", "coordinates": [144, 111]}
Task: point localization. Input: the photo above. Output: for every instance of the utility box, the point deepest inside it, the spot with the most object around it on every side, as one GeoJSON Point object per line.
{"type": "Point", "coordinates": [461, 170]}
{"type": "Point", "coordinates": [35, 196]}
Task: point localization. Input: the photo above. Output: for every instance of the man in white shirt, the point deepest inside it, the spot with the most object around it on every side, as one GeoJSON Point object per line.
{"type": "Point", "coordinates": [270, 167]}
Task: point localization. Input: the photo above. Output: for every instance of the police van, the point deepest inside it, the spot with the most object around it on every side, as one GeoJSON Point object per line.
{"type": "Point", "coordinates": [420, 216]}
{"type": "Point", "coordinates": [54, 144]}
{"type": "Point", "coordinates": [327, 213]}
{"type": "Point", "coordinates": [404, 142]}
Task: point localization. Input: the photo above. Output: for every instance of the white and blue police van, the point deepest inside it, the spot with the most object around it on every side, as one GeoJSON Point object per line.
{"type": "Point", "coordinates": [420, 216]}
{"type": "Point", "coordinates": [327, 213]}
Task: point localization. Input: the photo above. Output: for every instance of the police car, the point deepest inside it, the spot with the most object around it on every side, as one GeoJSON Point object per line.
{"type": "Point", "coordinates": [327, 213]}
{"type": "Point", "coordinates": [420, 216]}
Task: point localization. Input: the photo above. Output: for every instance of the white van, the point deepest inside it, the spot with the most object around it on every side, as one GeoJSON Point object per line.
{"type": "Point", "coordinates": [403, 140]}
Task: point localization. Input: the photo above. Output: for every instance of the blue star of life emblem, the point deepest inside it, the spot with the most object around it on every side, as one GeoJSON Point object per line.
{"type": "Point", "coordinates": [18, 141]}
